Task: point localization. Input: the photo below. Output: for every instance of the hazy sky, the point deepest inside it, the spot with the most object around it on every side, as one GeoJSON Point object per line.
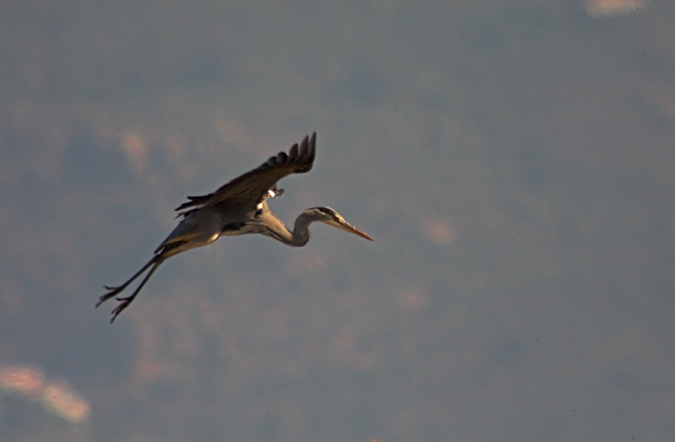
{"type": "Point", "coordinates": [513, 160]}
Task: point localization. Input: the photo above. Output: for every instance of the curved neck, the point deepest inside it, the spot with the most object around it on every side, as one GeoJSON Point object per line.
{"type": "Point", "coordinates": [300, 235]}
{"type": "Point", "coordinates": [274, 228]}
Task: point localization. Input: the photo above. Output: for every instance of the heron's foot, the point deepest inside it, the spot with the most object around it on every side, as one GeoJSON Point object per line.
{"type": "Point", "coordinates": [123, 304]}
{"type": "Point", "coordinates": [112, 292]}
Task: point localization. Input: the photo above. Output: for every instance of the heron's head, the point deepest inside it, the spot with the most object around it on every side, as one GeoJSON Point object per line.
{"type": "Point", "coordinates": [329, 216]}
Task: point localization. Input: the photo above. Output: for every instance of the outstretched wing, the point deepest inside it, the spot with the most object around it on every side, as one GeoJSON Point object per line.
{"type": "Point", "coordinates": [253, 187]}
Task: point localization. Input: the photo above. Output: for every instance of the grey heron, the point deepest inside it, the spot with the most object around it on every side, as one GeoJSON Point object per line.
{"type": "Point", "coordinates": [237, 208]}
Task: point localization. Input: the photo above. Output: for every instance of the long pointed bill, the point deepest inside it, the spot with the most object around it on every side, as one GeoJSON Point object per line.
{"type": "Point", "coordinates": [344, 225]}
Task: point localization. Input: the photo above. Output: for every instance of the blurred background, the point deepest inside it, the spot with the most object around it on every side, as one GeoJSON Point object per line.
{"type": "Point", "coordinates": [512, 159]}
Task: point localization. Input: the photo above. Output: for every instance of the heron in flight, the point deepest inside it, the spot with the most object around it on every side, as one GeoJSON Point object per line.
{"type": "Point", "coordinates": [237, 208]}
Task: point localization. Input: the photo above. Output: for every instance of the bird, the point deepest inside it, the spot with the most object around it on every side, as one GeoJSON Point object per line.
{"type": "Point", "coordinates": [238, 207]}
